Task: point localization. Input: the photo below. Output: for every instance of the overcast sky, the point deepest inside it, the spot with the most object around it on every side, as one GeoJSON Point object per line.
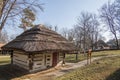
{"type": "Point", "coordinates": [64, 13]}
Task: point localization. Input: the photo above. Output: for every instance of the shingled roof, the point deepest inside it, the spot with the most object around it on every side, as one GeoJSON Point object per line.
{"type": "Point", "coordinates": [39, 39]}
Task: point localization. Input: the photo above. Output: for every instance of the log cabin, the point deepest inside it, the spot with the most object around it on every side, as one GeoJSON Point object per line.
{"type": "Point", "coordinates": [38, 48]}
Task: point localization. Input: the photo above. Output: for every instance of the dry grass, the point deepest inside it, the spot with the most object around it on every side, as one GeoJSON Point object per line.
{"type": "Point", "coordinates": [4, 59]}
{"type": "Point", "coordinates": [104, 69]}
{"type": "Point", "coordinates": [71, 57]}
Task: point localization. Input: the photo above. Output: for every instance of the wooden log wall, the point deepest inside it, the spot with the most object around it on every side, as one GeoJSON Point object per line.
{"type": "Point", "coordinates": [20, 59]}
{"type": "Point", "coordinates": [42, 61]}
{"type": "Point", "coordinates": [38, 62]}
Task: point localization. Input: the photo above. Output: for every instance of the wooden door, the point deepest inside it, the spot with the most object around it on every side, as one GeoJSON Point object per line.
{"type": "Point", "coordinates": [55, 57]}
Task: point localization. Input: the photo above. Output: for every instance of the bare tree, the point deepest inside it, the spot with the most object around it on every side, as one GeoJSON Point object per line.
{"type": "Point", "coordinates": [3, 37]}
{"type": "Point", "coordinates": [78, 36]}
{"type": "Point", "coordinates": [116, 5]}
{"type": "Point", "coordinates": [108, 16]}
{"type": "Point", "coordinates": [11, 10]}
{"type": "Point", "coordinates": [71, 35]}
{"type": "Point", "coordinates": [64, 32]}
{"type": "Point", "coordinates": [94, 30]}
{"type": "Point", "coordinates": [51, 27]}
{"type": "Point", "coordinates": [56, 28]}
{"type": "Point", "coordinates": [86, 30]}
{"type": "Point", "coordinates": [83, 24]}
{"type": "Point", "coordinates": [116, 9]}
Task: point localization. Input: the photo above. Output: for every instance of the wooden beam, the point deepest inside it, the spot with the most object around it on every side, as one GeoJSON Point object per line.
{"type": "Point", "coordinates": [63, 62]}
{"type": "Point", "coordinates": [11, 55]}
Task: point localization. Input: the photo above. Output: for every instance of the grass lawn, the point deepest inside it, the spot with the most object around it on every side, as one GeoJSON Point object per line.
{"type": "Point", "coordinates": [71, 57]}
{"type": "Point", "coordinates": [103, 69]}
{"type": "Point", "coordinates": [4, 59]}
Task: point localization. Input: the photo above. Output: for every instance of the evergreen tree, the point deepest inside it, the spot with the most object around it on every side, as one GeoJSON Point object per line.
{"type": "Point", "coordinates": [27, 19]}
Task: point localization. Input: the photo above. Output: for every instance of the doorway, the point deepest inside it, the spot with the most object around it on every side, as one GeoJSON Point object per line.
{"type": "Point", "coordinates": [55, 57]}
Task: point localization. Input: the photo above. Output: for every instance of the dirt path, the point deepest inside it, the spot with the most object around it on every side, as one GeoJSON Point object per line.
{"type": "Point", "coordinates": [56, 72]}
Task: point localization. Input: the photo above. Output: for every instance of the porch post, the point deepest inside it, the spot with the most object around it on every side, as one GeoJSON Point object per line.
{"type": "Point", "coordinates": [11, 55]}
{"type": "Point", "coordinates": [63, 62]}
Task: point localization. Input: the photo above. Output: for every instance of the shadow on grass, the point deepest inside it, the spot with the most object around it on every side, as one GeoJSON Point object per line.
{"type": "Point", "coordinates": [8, 72]}
{"type": "Point", "coordinates": [114, 76]}
{"type": "Point", "coordinates": [66, 71]}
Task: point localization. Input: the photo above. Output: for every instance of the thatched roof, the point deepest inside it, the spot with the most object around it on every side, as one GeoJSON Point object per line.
{"type": "Point", "coordinates": [39, 39]}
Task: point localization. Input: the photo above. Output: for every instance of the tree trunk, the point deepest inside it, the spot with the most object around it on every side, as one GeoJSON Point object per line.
{"type": "Point", "coordinates": [92, 42]}
{"type": "Point", "coordinates": [84, 46]}
{"type": "Point", "coordinates": [117, 43]}
{"type": "Point", "coordinates": [3, 21]}
{"type": "Point", "coordinates": [76, 56]}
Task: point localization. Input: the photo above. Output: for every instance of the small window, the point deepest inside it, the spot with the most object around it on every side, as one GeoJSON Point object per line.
{"type": "Point", "coordinates": [48, 59]}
